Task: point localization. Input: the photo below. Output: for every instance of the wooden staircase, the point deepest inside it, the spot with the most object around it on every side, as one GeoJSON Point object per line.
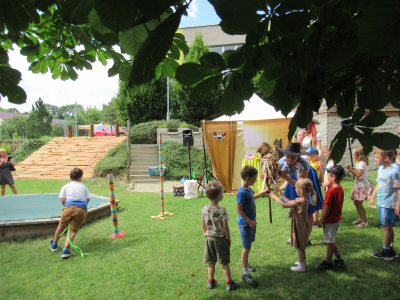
{"type": "Point", "coordinates": [56, 159]}
{"type": "Point", "coordinates": [143, 157]}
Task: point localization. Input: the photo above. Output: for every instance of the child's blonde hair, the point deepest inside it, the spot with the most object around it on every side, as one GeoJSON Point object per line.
{"type": "Point", "coordinates": [359, 155]}
{"type": "Point", "coordinates": [384, 153]}
{"type": "Point", "coordinates": [3, 150]}
{"type": "Point", "coordinates": [306, 186]}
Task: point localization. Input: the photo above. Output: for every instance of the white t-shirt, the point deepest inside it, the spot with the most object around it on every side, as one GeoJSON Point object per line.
{"type": "Point", "coordinates": [76, 194]}
{"type": "Point", "coordinates": [364, 176]}
{"type": "Point", "coordinates": [306, 142]}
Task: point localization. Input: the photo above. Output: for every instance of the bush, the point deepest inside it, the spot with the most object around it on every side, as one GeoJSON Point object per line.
{"type": "Point", "coordinates": [146, 133]}
{"type": "Point", "coordinates": [27, 148]}
{"type": "Point", "coordinates": [6, 147]}
{"type": "Point", "coordinates": [114, 162]}
{"type": "Point", "coordinates": [176, 159]}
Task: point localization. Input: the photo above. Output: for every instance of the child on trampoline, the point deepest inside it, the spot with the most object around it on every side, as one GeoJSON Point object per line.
{"type": "Point", "coordinates": [75, 198]}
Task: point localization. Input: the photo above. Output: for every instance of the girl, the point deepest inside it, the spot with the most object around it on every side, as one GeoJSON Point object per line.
{"type": "Point", "coordinates": [329, 164]}
{"type": "Point", "coordinates": [299, 226]}
{"type": "Point", "coordinates": [361, 186]}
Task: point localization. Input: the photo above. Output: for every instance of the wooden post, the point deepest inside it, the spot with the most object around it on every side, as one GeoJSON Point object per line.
{"type": "Point", "coordinates": [116, 130]}
{"type": "Point", "coordinates": [69, 131]}
{"type": "Point", "coordinates": [128, 152]}
{"type": "Point", "coordinates": [91, 133]}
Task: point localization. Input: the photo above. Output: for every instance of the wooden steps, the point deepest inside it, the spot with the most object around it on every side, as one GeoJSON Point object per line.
{"type": "Point", "coordinates": [56, 159]}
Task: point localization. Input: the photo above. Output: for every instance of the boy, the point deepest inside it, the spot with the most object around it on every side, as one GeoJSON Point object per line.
{"type": "Point", "coordinates": [312, 157]}
{"type": "Point", "coordinates": [331, 216]}
{"type": "Point", "coordinates": [75, 197]}
{"type": "Point", "coordinates": [217, 236]}
{"type": "Point", "coordinates": [388, 200]}
{"type": "Point", "coordinates": [246, 208]}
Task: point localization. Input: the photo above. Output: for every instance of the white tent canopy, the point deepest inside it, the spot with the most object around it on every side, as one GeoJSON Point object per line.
{"type": "Point", "coordinates": [255, 109]}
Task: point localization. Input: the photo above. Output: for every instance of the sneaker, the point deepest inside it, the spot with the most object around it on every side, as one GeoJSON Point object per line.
{"type": "Point", "coordinates": [249, 279]}
{"type": "Point", "coordinates": [379, 225]}
{"type": "Point", "coordinates": [250, 268]}
{"type": "Point", "coordinates": [325, 265]}
{"type": "Point", "coordinates": [66, 253]}
{"type": "Point", "coordinates": [384, 255]}
{"type": "Point", "coordinates": [298, 263]}
{"type": "Point", "coordinates": [315, 225]}
{"type": "Point", "coordinates": [392, 253]}
{"type": "Point", "coordinates": [309, 244]}
{"type": "Point", "coordinates": [53, 246]}
{"type": "Point", "coordinates": [211, 285]}
{"type": "Point", "coordinates": [287, 242]}
{"type": "Point", "coordinates": [339, 262]}
{"type": "Point", "coordinates": [235, 285]}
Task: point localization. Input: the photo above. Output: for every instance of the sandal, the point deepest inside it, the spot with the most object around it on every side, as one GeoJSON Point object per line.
{"type": "Point", "coordinates": [362, 225]}
{"type": "Point", "coordinates": [357, 222]}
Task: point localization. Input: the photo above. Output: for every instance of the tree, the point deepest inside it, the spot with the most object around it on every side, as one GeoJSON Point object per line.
{"type": "Point", "coordinates": [17, 124]}
{"type": "Point", "coordinates": [146, 105]}
{"type": "Point", "coordinates": [326, 49]}
{"type": "Point", "coordinates": [90, 115]}
{"type": "Point", "coordinates": [190, 111]}
{"type": "Point", "coordinates": [39, 121]}
{"type": "Point", "coordinates": [109, 113]}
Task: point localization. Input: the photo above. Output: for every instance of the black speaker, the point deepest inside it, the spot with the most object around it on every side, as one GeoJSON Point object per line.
{"type": "Point", "coordinates": [188, 137]}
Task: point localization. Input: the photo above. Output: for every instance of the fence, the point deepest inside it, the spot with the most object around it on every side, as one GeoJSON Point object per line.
{"type": "Point", "coordinates": [14, 144]}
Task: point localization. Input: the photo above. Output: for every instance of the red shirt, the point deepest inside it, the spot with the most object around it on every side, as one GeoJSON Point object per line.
{"type": "Point", "coordinates": [334, 197]}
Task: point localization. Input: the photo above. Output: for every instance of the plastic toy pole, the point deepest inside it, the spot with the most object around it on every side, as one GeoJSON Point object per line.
{"type": "Point", "coordinates": [161, 173]}
{"type": "Point", "coordinates": [160, 157]}
{"type": "Point", "coordinates": [113, 206]}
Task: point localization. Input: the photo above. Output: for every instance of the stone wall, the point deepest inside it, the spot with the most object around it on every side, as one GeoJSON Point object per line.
{"type": "Point", "coordinates": [331, 124]}
{"type": "Point", "coordinates": [177, 137]}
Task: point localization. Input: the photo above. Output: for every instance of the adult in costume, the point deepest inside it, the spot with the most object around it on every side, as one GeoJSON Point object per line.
{"type": "Point", "coordinates": [293, 167]}
{"type": "Point", "coordinates": [5, 172]}
{"type": "Point", "coordinates": [309, 137]}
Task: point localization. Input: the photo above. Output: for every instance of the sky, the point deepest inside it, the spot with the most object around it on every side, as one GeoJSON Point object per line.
{"type": "Point", "coordinates": [93, 87]}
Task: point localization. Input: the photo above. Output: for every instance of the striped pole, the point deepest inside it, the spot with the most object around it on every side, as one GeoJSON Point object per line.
{"type": "Point", "coordinates": [161, 173]}
{"type": "Point", "coordinates": [113, 206]}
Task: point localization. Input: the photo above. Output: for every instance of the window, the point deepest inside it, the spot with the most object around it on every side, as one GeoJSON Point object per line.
{"type": "Point", "coordinates": [217, 49]}
{"type": "Point", "coordinates": [221, 49]}
{"type": "Point", "coordinates": [99, 128]}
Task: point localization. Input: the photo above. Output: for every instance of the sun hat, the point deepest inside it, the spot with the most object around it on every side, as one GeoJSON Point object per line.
{"type": "Point", "coordinates": [336, 170]}
{"type": "Point", "coordinates": [312, 150]}
{"type": "Point", "coordinates": [292, 149]}
{"type": "Point", "coordinates": [314, 120]}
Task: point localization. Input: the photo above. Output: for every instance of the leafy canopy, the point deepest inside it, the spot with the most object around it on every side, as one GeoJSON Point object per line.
{"type": "Point", "coordinates": [316, 49]}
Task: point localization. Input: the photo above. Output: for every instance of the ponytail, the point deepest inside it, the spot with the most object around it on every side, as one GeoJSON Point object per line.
{"type": "Point", "coordinates": [313, 197]}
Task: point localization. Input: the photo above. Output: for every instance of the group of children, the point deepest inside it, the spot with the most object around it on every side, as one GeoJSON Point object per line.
{"type": "Point", "coordinates": [215, 218]}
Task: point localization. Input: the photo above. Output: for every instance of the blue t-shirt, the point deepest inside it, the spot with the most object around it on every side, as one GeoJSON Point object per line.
{"type": "Point", "coordinates": [387, 192]}
{"type": "Point", "coordinates": [300, 166]}
{"type": "Point", "coordinates": [246, 196]}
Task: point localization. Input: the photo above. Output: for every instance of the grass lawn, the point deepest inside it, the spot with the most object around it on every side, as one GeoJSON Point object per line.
{"type": "Point", "coordinates": [162, 259]}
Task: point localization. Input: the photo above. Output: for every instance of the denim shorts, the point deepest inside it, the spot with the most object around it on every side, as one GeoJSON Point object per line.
{"type": "Point", "coordinates": [247, 235]}
{"type": "Point", "coordinates": [388, 216]}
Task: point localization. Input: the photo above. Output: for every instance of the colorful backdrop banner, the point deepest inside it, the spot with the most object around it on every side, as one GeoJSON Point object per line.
{"type": "Point", "coordinates": [272, 131]}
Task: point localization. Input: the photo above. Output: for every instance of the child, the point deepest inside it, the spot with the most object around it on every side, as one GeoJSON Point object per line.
{"type": "Point", "coordinates": [75, 198]}
{"type": "Point", "coordinates": [246, 208]}
{"type": "Point", "coordinates": [312, 158]}
{"type": "Point", "coordinates": [217, 236]}
{"type": "Point", "coordinates": [331, 216]}
{"type": "Point", "coordinates": [388, 200]}
{"type": "Point", "coordinates": [329, 164]}
{"type": "Point", "coordinates": [299, 226]}
{"type": "Point", "coordinates": [361, 186]}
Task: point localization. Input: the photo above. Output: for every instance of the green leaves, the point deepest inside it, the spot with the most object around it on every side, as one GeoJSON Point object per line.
{"type": "Point", "coordinates": [9, 79]}
{"type": "Point", "coordinates": [238, 17]}
{"type": "Point", "coordinates": [238, 89]}
{"type": "Point", "coordinates": [385, 140]}
{"type": "Point", "coordinates": [154, 49]}
{"type": "Point", "coordinates": [374, 119]}
{"type": "Point", "coordinates": [202, 90]}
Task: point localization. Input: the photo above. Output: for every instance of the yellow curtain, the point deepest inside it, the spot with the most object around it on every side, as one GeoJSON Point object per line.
{"type": "Point", "coordinates": [220, 138]}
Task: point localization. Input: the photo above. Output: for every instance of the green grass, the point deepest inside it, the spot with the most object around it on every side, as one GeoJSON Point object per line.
{"type": "Point", "coordinates": [162, 259]}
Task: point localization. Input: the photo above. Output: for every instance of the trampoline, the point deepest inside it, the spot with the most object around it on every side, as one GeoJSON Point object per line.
{"type": "Point", "coordinates": [36, 215]}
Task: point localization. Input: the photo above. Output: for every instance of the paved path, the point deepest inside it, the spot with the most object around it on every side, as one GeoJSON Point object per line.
{"type": "Point", "coordinates": [153, 187]}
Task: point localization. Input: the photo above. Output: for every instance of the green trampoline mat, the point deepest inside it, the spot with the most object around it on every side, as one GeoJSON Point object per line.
{"type": "Point", "coordinates": [38, 206]}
